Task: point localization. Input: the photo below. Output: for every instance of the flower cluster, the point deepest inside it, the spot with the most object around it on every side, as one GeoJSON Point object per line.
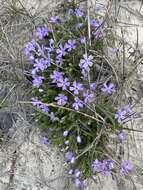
{"type": "Point", "coordinates": [71, 90]}
{"type": "Point", "coordinates": [104, 167]}
{"type": "Point", "coordinates": [86, 63]}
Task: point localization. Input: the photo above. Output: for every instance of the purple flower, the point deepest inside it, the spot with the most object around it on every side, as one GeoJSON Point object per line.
{"type": "Point", "coordinates": [61, 99]}
{"type": "Point", "coordinates": [86, 63]}
{"type": "Point", "coordinates": [83, 39]}
{"type": "Point", "coordinates": [44, 108]}
{"type": "Point", "coordinates": [70, 157]}
{"type": "Point", "coordinates": [105, 166]}
{"type": "Point", "coordinates": [78, 12]}
{"type": "Point", "coordinates": [56, 76]}
{"type": "Point", "coordinates": [126, 167]}
{"type": "Point", "coordinates": [61, 51]}
{"type": "Point", "coordinates": [31, 59]}
{"type": "Point", "coordinates": [42, 32]}
{"type": "Point", "coordinates": [80, 183]}
{"type": "Point", "coordinates": [108, 88]}
{"type": "Point", "coordinates": [93, 86]}
{"type": "Point", "coordinates": [97, 166]}
{"type": "Point", "coordinates": [78, 139]}
{"type": "Point", "coordinates": [44, 140]}
{"type": "Point", "coordinates": [77, 173]}
{"type": "Point", "coordinates": [54, 19]}
{"type": "Point", "coordinates": [65, 133]}
{"type": "Point", "coordinates": [94, 23]}
{"type": "Point", "coordinates": [30, 46]}
{"type": "Point", "coordinates": [120, 115]}
{"type": "Point", "coordinates": [77, 104]}
{"type": "Point", "coordinates": [37, 81]}
{"type": "Point", "coordinates": [88, 97]}
{"type": "Point", "coordinates": [63, 83]}
{"type": "Point", "coordinates": [41, 64]}
{"type": "Point", "coordinates": [76, 87]}
{"type": "Point", "coordinates": [122, 136]}
{"type": "Point", "coordinates": [70, 45]}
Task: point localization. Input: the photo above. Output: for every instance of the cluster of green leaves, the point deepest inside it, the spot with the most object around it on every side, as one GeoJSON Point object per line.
{"type": "Point", "coordinates": [93, 127]}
